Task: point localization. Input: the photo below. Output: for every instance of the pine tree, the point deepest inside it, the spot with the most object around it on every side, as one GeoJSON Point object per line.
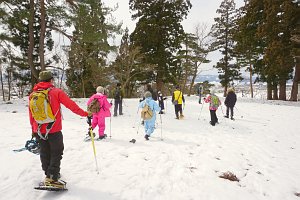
{"type": "Point", "coordinates": [280, 20]}
{"type": "Point", "coordinates": [249, 47]}
{"type": "Point", "coordinates": [22, 21]}
{"type": "Point", "coordinates": [159, 33]}
{"type": "Point", "coordinates": [89, 48]}
{"type": "Point", "coordinates": [296, 53]}
{"type": "Point", "coordinates": [223, 31]}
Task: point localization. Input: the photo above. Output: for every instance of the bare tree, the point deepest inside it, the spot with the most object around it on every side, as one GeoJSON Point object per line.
{"type": "Point", "coordinates": [203, 43]}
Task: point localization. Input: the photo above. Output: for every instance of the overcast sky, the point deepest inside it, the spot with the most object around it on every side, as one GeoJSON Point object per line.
{"type": "Point", "coordinates": [202, 11]}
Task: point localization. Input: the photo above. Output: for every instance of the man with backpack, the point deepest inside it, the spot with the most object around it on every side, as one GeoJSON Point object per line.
{"type": "Point", "coordinates": [214, 103]}
{"type": "Point", "coordinates": [118, 97]}
{"type": "Point", "coordinates": [46, 123]}
{"type": "Point", "coordinates": [148, 113]}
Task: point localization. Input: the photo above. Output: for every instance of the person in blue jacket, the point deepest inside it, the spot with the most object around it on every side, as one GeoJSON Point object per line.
{"type": "Point", "coordinates": [149, 124]}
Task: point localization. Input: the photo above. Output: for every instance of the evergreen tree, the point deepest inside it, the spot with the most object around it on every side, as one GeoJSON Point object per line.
{"type": "Point", "coordinates": [249, 47]}
{"type": "Point", "coordinates": [296, 53]}
{"type": "Point", "coordinates": [22, 21]}
{"type": "Point", "coordinates": [89, 48]}
{"type": "Point", "coordinates": [159, 34]}
{"type": "Point", "coordinates": [223, 31]}
{"type": "Point", "coordinates": [280, 20]}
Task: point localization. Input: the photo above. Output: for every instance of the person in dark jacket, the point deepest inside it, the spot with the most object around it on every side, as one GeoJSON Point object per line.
{"type": "Point", "coordinates": [152, 91]}
{"type": "Point", "coordinates": [161, 104]}
{"type": "Point", "coordinates": [230, 102]}
{"type": "Point", "coordinates": [49, 135]}
{"type": "Point", "coordinates": [118, 97]}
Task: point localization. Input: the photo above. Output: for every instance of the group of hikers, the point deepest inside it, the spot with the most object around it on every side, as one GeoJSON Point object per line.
{"type": "Point", "coordinates": [46, 122]}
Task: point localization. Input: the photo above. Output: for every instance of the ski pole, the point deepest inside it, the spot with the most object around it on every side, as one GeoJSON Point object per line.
{"type": "Point", "coordinates": [93, 145]}
{"type": "Point", "coordinates": [200, 111]}
{"type": "Point", "coordinates": [222, 109]}
{"type": "Point", "coordinates": [238, 111]}
{"type": "Point", "coordinates": [110, 122]}
{"type": "Point", "coordinates": [137, 113]}
{"type": "Point", "coordinates": [110, 127]}
{"type": "Point", "coordinates": [161, 138]}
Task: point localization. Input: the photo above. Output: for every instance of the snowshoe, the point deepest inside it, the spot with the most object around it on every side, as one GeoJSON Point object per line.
{"type": "Point", "coordinates": [88, 136]}
{"type": "Point", "coordinates": [101, 137]}
{"type": "Point", "coordinates": [52, 185]}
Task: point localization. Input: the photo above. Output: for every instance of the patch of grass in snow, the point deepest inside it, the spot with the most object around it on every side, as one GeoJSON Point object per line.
{"type": "Point", "coordinates": [229, 176]}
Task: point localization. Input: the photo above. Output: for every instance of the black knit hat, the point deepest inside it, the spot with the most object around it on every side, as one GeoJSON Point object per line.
{"type": "Point", "coordinates": [45, 75]}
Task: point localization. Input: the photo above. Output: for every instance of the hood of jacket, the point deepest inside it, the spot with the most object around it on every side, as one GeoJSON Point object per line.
{"type": "Point", "coordinates": [42, 85]}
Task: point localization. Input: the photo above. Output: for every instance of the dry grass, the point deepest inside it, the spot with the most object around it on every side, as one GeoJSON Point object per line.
{"type": "Point", "coordinates": [229, 176]}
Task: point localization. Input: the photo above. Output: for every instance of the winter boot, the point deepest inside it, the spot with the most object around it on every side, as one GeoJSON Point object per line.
{"type": "Point", "coordinates": [55, 183]}
{"type": "Point", "coordinates": [147, 137]}
{"type": "Point", "coordinates": [226, 116]}
{"type": "Point", "coordinates": [101, 137]}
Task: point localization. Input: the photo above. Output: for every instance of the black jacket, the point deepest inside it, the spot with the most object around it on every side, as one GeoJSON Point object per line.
{"type": "Point", "coordinates": [230, 99]}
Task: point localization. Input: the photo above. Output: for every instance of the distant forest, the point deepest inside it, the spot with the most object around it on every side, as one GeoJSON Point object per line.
{"type": "Point", "coordinates": [262, 36]}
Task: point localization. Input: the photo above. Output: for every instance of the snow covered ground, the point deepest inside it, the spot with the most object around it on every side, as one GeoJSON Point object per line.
{"type": "Point", "coordinates": [261, 147]}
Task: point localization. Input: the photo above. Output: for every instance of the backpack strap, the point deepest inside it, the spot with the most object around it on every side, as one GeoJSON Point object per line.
{"type": "Point", "coordinates": [48, 128]}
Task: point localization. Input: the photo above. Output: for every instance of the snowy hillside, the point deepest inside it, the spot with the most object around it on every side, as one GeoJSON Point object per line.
{"type": "Point", "coordinates": [261, 148]}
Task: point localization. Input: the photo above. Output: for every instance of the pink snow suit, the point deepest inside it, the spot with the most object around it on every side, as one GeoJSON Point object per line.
{"type": "Point", "coordinates": [99, 117]}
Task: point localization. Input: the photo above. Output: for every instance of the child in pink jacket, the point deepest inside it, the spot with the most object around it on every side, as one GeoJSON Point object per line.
{"type": "Point", "coordinates": [99, 117]}
{"type": "Point", "coordinates": [214, 103]}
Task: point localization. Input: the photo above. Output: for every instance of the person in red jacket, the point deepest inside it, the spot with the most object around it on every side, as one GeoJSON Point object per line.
{"type": "Point", "coordinates": [51, 144]}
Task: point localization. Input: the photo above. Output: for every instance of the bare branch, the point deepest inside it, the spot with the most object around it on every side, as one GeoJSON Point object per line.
{"type": "Point", "coordinates": [70, 37]}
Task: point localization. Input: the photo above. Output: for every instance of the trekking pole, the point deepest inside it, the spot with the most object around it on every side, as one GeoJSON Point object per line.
{"type": "Point", "coordinates": [165, 104]}
{"type": "Point", "coordinates": [200, 111]}
{"type": "Point", "coordinates": [110, 123]}
{"type": "Point", "coordinates": [110, 127]}
{"type": "Point", "coordinates": [93, 143]}
{"type": "Point", "coordinates": [222, 110]}
{"type": "Point", "coordinates": [137, 113]}
{"type": "Point", "coordinates": [161, 138]}
{"type": "Point", "coordinates": [238, 111]}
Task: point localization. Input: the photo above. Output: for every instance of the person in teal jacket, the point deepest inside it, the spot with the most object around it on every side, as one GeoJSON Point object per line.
{"type": "Point", "coordinates": [149, 124]}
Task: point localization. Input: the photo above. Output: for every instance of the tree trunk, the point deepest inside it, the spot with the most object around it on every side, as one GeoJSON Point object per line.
{"type": "Point", "coordinates": [42, 35]}
{"type": "Point", "coordinates": [9, 79]}
{"type": "Point", "coordinates": [2, 85]}
{"type": "Point", "coordinates": [193, 80]}
{"type": "Point", "coordinates": [269, 91]}
{"type": "Point", "coordinates": [251, 84]}
{"type": "Point", "coordinates": [34, 72]}
{"type": "Point", "coordinates": [294, 92]}
{"type": "Point", "coordinates": [225, 91]}
{"type": "Point", "coordinates": [159, 81]}
{"type": "Point", "coordinates": [83, 88]}
{"type": "Point", "coordinates": [275, 91]}
{"type": "Point", "coordinates": [282, 90]}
